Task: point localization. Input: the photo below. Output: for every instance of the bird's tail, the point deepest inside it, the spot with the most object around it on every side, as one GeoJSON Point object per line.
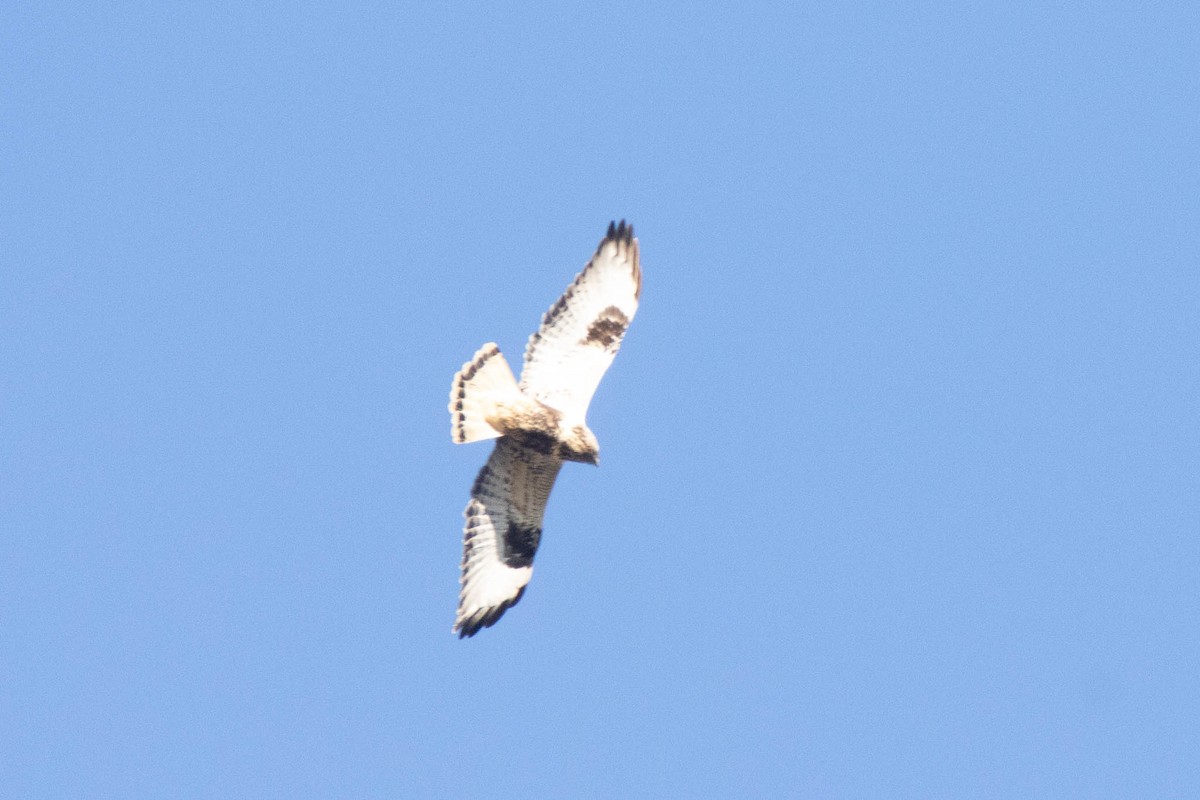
{"type": "Point", "coordinates": [479, 387]}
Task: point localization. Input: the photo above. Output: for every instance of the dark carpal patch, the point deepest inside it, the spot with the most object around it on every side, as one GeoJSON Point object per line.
{"type": "Point", "coordinates": [608, 328]}
{"type": "Point", "coordinates": [520, 544]}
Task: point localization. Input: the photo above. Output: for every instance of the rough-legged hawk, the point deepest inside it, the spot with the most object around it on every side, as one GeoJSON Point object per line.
{"type": "Point", "coordinates": [540, 424]}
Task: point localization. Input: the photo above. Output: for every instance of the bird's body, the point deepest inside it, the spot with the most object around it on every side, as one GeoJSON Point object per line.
{"type": "Point", "coordinates": [540, 423]}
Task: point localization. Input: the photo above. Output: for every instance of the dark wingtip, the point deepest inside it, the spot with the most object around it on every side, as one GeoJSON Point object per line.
{"type": "Point", "coordinates": [620, 232]}
{"type": "Point", "coordinates": [489, 617]}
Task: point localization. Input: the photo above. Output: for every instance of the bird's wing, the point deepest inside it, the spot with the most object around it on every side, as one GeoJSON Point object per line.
{"type": "Point", "coordinates": [581, 333]}
{"type": "Point", "coordinates": [502, 531]}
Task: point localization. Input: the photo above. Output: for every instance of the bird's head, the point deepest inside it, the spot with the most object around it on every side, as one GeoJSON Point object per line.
{"type": "Point", "coordinates": [582, 446]}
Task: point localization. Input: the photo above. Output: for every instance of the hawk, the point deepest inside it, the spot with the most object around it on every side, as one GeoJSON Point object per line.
{"type": "Point", "coordinates": [539, 423]}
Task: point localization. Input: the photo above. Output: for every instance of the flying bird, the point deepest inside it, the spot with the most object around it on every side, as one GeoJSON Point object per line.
{"type": "Point", "coordinates": [538, 423]}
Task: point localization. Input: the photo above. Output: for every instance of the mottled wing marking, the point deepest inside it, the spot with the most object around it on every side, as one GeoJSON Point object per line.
{"type": "Point", "coordinates": [607, 329]}
{"type": "Point", "coordinates": [582, 331]}
{"type": "Point", "coordinates": [502, 532]}
{"type": "Point", "coordinates": [520, 544]}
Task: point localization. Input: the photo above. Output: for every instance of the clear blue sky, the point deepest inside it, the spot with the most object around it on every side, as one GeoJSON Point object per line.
{"type": "Point", "coordinates": [900, 494]}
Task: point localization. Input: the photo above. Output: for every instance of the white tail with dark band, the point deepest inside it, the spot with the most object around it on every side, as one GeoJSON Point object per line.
{"type": "Point", "coordinates": [479, 386]}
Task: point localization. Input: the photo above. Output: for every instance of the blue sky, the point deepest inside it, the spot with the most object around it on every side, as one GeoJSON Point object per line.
{"type": "Point", "coordinates": [901, 455]}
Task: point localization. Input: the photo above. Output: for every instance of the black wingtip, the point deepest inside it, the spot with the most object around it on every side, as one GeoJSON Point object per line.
{"type": "Point", "coordinates": [489, 617]}
{"type": "Point", "coordinates": [620, 232]}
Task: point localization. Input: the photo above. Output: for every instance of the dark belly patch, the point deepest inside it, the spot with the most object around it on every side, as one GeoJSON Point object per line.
{"type": "Point", "coordinates": [539, 442]}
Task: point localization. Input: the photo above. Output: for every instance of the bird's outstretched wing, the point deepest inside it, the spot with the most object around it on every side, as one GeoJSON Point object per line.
{"type": "Point", "coordinates": [581, 333]}
{"type": "Point", "coordinates": [502, 531]}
